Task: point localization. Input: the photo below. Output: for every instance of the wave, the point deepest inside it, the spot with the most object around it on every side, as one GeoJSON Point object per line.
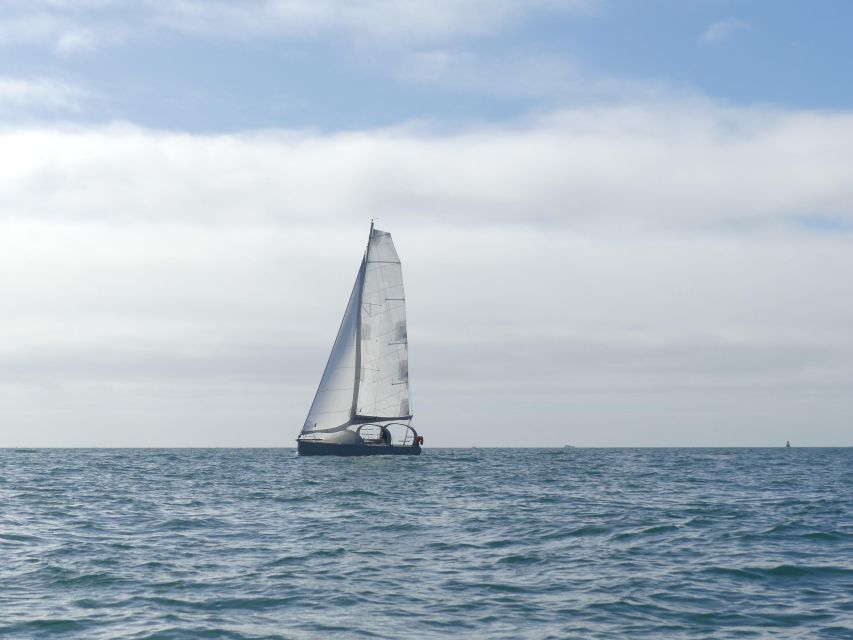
{"type": "Point", "coordinates": [487, 544]}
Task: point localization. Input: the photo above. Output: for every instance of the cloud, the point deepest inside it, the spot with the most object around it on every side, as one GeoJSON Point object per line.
{"type": "Point", "coordinates": [393, 19]}
{"type": "Point", "coordinates": [512, 75]}
{"type": "Point", "coordinates": [684, 164]}
{"type": "Point", "coordinates": [69, 29]}
{"type": "Point", "coordinates": [628, 269]}
{"type": "Point", "coordinates": [72, 27]}
{"type": "Point", "coordinates": [722, 30]}
{"type": "Point", "coordinates": [549, 78]}
{"type": "Point", "coordinates": [39, 94]}
{"type": "Point", "coordinates": [75, 42]}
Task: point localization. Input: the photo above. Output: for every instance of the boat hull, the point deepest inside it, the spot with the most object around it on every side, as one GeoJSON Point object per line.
{"type": "Point", "coordinates": [307, 448]}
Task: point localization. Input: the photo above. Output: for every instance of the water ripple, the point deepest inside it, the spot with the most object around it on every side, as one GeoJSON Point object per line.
{"type": "Point", "coordinates": [486, 543]}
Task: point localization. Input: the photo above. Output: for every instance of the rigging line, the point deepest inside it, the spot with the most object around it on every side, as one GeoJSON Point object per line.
{"type": "Point", "coordinates": [357, 373]}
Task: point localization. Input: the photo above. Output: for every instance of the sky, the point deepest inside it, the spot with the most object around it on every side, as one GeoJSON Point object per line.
{"type": "Point", "coordinates": [621, 223]}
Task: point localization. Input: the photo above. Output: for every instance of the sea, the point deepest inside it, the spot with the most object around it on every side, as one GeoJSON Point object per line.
{"type": "Point", "coordinates": [456, 543]}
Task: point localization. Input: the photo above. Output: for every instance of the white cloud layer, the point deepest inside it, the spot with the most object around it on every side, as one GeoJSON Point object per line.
{"type": "Point", "coordinates": [640, 165]}
{"type": "Point", "coordinates": [644, 274]}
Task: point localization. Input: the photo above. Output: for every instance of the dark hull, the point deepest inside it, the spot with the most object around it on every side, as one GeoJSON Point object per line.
{"type": "Point", "coordinates": [331, 449]}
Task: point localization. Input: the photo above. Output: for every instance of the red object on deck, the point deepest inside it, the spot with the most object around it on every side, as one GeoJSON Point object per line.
{"type": "Point", "coordinates": [419, 440]}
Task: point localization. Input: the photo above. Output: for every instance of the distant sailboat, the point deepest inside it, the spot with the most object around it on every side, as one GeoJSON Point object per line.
{"type": "Point", "coordinates": [362, 401]}
{"type": "Point", "coordinates": [787, 444]}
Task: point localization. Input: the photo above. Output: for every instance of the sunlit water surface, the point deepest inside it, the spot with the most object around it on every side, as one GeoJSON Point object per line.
{"type": "Point", "coordinates": [481, 543]}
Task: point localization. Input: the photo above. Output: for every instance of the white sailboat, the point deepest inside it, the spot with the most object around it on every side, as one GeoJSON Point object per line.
{"type": "Point", "coordinates": [362, 405]}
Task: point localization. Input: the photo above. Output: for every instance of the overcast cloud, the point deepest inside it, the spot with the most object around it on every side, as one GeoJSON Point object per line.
{"type": "Point", "coordinates": [641, 274]}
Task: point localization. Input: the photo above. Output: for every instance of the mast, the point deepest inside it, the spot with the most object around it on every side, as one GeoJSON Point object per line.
{"type": "Point", "coordinates": [357, 368]}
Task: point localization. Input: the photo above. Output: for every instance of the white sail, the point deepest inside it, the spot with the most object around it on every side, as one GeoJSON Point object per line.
{"type": "Point", "coordinates": [333, 402]}
{"type": "Point", "coordinates": [383, 387]}
{"type": "Point", "coordinates": [367, 376]}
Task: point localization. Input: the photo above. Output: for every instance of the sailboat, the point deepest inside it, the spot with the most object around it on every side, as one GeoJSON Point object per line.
{"type": "Point", "coordinates": [362, 405]}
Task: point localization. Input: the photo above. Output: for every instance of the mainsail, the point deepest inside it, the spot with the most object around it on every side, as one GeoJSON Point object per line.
{"type": "Point", "coordinates": [367, 376]}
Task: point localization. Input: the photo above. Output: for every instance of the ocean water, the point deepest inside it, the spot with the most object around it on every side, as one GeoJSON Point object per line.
{"type": "Point", "coordinates": [475, 543]}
